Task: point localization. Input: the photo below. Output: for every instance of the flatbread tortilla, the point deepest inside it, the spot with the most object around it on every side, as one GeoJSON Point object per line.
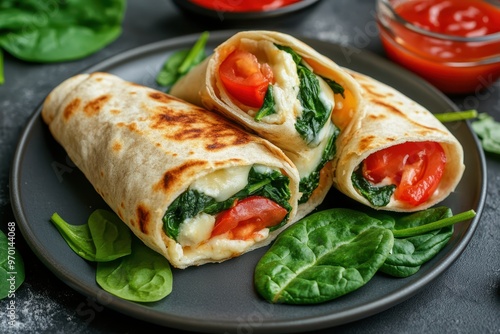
{"type": "Point", "coordinates": [141, 148]}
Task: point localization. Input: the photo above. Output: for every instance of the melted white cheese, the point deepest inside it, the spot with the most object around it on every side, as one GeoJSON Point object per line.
{"type": "Point", "coordinates": [222, 183]}
{"type": "Point", "coordinates": [310, 159]}
{"type": "Point", "coordinates": [194, 231]}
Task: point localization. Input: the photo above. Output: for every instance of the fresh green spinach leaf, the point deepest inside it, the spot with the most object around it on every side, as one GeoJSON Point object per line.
{"type": "Point", "coordinates": [323, 256]}
{"type": "Point", "coordinates": [315, 113]}
{"type": "Point", "coordinates": [269, 184]}
{"type": "Point", "coordinates": [377, 196]}
{"type": "Point", "coordinates": [182, 61]}
{"type": "Point", "coordinates": [41, 31]}
{"type": "Point", "coordinates": [425, 228]}
{"type": "Point", "coordinates": [104, 238]}
{"type": "Point", "coordinates": [64, 31]}
{"type": "Point", "coordinates": [409, 253]}
{"type": "Point", "coordinates": [12, 272]}
{"type": "Point", "coordinates": [142, 276]}
{"type": "Point", "coordinates": [456, 115]}
{"type": "Point", "coordinates": [335, 86]}
{"type": "Point", "coordinates": [489, 131]}
{"type": "Point", "coordinates": [268, 107]}
{"type": "Point", "coordinates": [169, 74]}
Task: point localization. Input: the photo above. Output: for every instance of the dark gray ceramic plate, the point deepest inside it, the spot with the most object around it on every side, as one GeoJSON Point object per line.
{"type": "Point", "coordinates": [221, 297]}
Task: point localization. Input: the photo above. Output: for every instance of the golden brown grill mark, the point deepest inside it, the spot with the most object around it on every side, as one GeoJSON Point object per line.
{"type": "Point", "coordinates": [163, 98]}
{"type": "Point", "coordinates": [170, 177]}
{"type": "Point", "coordinates": [143, 218]}
{"type": "Point", "coordinates": [117, 146]}
{"type": "Point", "coordinates": [70, 109]}
{"type": "Point", "coordinates": [94, 107]}
{"type": "Point", "coordinates": [365, 142]}
{"type": "Point", "coordinates": [183, 125]}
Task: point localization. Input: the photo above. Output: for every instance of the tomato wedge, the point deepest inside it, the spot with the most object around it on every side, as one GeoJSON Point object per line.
{"type": "Point", "coordinates": [245, 78]}
{"type": "Point", "coordinates": [416, 168]}
{"type": "Point", "coordinates": [248, 216]}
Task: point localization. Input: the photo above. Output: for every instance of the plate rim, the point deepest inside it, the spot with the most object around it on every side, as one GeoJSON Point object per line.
{"type": "Point", "coordinates": [142, 312]}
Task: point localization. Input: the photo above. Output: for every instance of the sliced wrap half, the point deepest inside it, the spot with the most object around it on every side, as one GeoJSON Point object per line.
{"type": "Point", "coordinates": [286, 92]}
{"type": "Point", "coordinates": [191, 185]}
{"type": "Point", "coordinates": [397, 155]}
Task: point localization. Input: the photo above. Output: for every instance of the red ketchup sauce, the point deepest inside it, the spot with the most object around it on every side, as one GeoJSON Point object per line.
{"type": "Point", "coordinates": [243, 5]}
{"type": "Point", "coordinates": [451, 66]}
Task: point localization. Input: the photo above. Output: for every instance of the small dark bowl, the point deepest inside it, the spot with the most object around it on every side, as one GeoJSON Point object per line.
{"type": "Point", "coordinates": [251, 15]}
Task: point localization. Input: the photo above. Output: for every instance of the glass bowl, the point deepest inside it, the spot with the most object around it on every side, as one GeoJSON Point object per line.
{"type": "Point", "coordinates": [454, 64]}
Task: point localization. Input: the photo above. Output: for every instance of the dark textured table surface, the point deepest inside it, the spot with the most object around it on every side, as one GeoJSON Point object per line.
{"type": "Point", "coordinates": [464, 299]}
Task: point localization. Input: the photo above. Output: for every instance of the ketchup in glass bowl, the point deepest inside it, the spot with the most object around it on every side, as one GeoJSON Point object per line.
{"type": "Point", "coordinates": [453, 44]}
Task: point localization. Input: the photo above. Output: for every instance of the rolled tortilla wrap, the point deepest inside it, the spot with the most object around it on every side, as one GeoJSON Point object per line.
{"type": "Point", "coordinates": [296, 99]}
{"type": "Point", "coordinates": [143, 150]}
{"type": "Point", "coordinates": [392, 119]}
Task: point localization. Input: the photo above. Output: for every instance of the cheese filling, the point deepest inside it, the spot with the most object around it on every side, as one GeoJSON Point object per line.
{"type": "Point", "coordinates": [309, 160]}
{"type": "Point", "coordinates": [221, 185]}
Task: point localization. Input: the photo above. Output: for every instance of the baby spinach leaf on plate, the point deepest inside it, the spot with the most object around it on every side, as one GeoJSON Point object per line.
{"type": "Point", "coordinates": [323, 256]}
{"type": "Point", "coordinates": [11, 267]}
{"type": "Point", "coordinates": [104, 238]}
{"type": "Point", "coordinates": [142, 276]}
{"type": "Point", "coordinates": [489, 131]}
{"type": "Point", "coordinates": [454, 116]}
{"type": "Point", "coordinates": [181, 62]}
{"type": "Point", "coordinates": [409, 253]}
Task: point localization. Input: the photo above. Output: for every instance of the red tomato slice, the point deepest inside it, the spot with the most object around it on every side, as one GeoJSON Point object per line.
{"type": "Point", "coordinates": [248, 216]}
{"type": "Point", "coordinates": [245, 78]}
{"type": "Point", "coordinates": [415, 168]}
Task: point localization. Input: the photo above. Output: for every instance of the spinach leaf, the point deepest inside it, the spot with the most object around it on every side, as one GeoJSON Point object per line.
{"type": "Point", "coordinates": [168, 74]}
{"type": "Point", "coordinates": [323, 256]}
{"type": "Point", "coordinates": [309, 183]}
{"type": "Point", "coordinates": [456, 115]}
{"type": "Point", "coordinates": [315, 113]}
{"type": "Point", "coordinates": [12, 272]}
{"type": "Point", "coordinates": [409, 253]}
{"type": "Point", "coordinates": [489, 131]}
{"type": "Point", "coordinates": [104, 238]}
{"type": "Point", "coordinates": [142, 276]}
{"type": "Point", "coordinates": [43, 32]}
{"type": "Point", "coordinates": [268, 107]}
{"type": "Point", "coordinates": [269, 184]}
{"type": "Point", "coordinates": [182, 61]}
{"type": "Point", "coordinates": [377, 196]}
{"type": "Point", "coordinates": [335, 86]}
{"type": "Point", "coordinates": [187, 205]}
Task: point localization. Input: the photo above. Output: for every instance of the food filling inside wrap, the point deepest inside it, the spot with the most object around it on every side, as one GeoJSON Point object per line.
{"type": "Point", "coordinates": [409, 172]}
{"type": "Point", "coordinates": [271, 82]}
{"type": "Point", "coordinates": [239, 203]}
